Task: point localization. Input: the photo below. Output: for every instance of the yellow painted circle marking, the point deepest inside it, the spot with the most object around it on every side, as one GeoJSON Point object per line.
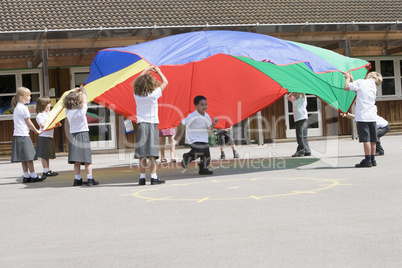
{"type": "Point", "coordinates": [223, 190]}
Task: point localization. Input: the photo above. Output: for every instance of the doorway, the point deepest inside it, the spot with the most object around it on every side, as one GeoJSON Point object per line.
{"type": "Point", "coordinates": [314, 117]}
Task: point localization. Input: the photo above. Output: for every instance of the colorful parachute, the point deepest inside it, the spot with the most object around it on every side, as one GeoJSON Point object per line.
{"type": "Point", "coordinates": [239, 73]}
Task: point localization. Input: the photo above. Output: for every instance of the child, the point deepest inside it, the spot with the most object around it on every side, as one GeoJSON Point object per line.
{"type": "Point", "coordinates": [79, 148]}
{"type": "Point", "coordinates": [44, 145]}
{"type": "Point", "coordinates": [366, 113]}
{"type": "Point", "coordinates": [300, 117]}
{"type": "Point", "coordinates": [382, 128]}
{"type": "Point", "coordinates": [169, 133]}
{"type": "Point", "coordinates": [225, 137]}
{"type": "Point", "coordinates": [197, 123]}
{"type": "Point", "coordinates": [22, 148]}
{"type": "Point", "coordinates": [147, 91]}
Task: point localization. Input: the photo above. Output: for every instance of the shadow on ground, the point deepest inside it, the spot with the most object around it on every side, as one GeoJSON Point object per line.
{"type": "Point", "coordinates": [128, 176]}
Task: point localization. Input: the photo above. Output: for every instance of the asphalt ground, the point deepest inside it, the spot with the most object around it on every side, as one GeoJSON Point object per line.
{"type": "Point", "coordinates": [265, 209]}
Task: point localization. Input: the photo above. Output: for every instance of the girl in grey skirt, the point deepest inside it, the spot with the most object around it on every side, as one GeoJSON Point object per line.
{"type": "Point", "coordinates": [45, 145]}
{"type": "Point", "coordinates": [22, 148]}
{"type": "Point", "coordinates": [79, 149]}
{"type": "Point", "coordinates": [147, 91]}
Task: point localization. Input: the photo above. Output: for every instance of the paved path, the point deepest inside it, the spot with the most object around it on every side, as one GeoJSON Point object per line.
{"type": "Point", "coordinates": [263, 210]}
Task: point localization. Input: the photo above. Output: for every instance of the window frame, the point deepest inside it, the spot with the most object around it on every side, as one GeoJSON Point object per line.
{"type": "Point", "coordinates": [18, 83]}
{"type": "Point", "coordinates": [397, 76]}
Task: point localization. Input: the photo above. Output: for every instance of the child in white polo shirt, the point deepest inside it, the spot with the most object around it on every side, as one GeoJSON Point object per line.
{"type": "Point", "coordinates": [366, 113]}
{"type": "Point", "coordinates": [197, 125]}
{"type": "Point", "coordinates": [300, 116]}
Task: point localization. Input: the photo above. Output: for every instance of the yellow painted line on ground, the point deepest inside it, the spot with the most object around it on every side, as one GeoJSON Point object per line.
{"type": "Point", "coordinates": [159, 199]}
{"type": "Point", "coordinates": [304, 192]}
{"type": "Point", "coordinates": [323, 184]}
{"type": "Point", "coordinates": [202, 200]}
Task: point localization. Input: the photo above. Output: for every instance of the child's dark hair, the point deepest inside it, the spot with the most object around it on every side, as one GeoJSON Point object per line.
{"type": "Point", "coordinates": [198, 99]}
{"type": "Point", "coordinates": [73, 100]}
{"type": "Point", "coordinates": [41, 104]}
{"type": "Point", "coordinates": [145, 84]}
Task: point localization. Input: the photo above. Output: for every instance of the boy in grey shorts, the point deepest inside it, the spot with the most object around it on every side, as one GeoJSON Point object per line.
{"type": "Point", "coordinates": [366, 113]}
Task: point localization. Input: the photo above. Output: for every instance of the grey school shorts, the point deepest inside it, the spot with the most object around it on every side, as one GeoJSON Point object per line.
{"type": "Point", "coordinates": [367, 131]}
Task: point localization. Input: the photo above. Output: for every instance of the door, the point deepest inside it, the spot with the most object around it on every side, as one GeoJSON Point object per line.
{"type": "Point", "coordinates": [101, 121]}
{"type": "Point", "coordinates": [314, 117]}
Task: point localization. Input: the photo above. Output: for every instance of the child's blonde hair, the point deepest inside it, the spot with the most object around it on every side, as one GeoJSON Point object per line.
{"type": "Point", "coordinates": [41, 104]}
{"type": "Point", "coordinates": [73, 100]}
{"type": "Point", "coordinates": [21, 92]}
{"type": "Point", "coordinates": [145, 84]}
{"type": "Point", "coordinates": [376, 77]}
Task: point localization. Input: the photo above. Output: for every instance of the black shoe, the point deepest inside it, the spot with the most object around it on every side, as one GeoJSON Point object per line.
{"type": "Point", "coordinates": [298, 154]}
{"type": "Point", "coordinates": [205, 171]}
{"type": "Point", "coordinates": [26, 180]}
{"type": "Point", "coordinates": [223, 156]}
{"type": "Point", "coordinates": [38, 179]}
{"type": "Point", "coordinates": [235, 154]}
{"type": "Point", "coordinates": [184, 162]}
{"type": "Point", "coordinates": [92, 182]}
{"type": "Point", "coordinates": [364, 163]}
{"type": "Point", "coordinates": [307, 154]}
{"type": "Point", "coordinates": [78, 182]}
{"type": "Point", "coordinates": [373, 163]}
{"type": "Point", "coordinates": [157, 181]}
{"type": "Point", "coordinates": [50, 173]}
{"type": "Point", "coordinates": [379, 153]}
{"type": "Point", "coordinates": [141, 182]}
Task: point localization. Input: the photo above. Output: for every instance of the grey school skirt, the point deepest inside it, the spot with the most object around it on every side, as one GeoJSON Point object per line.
{"type": "Point", "coordinates": [79, 148]}
{"type": "Point", "coordinates": [45, 148]}
{"type": "Point", "coordinates": [22, 149]}
{"type": "Point", "coordinates": [147, 141]}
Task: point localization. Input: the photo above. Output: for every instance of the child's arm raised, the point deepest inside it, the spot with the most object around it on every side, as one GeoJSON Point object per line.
{"type": "Point", "coordinates": [150, 67]}
{"type": "Point", "coordinates": [162, 76]}
{"type": "Point", "coordinates": [84, 94]}
{"type": "Point", "coordinates": [214, 122]}
{"type": "Point", "coordinates": [349, 78]}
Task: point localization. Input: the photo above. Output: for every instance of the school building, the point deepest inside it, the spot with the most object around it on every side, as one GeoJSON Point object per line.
{"type": "Point", "coordinates": [48, 47]}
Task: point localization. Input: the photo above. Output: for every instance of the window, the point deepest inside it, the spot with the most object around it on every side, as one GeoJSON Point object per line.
{"type": "Point", "coordinates": [391, 70]}
{"type": "Point", "coordinates": [10, 81]}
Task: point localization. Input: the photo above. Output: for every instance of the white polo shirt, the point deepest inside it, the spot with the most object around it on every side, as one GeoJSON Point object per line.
{"type": "Point", "coordinates": [299, 108]}
{"type": "Point", "coordinates": [196, 127]}
{"type": "Point", "coordinates": [147, 107]}
{"type": "Point", "coordinates": [20, 113]}
{"type": "Point", "coordinates": [366, 91]}
{"type": "Point", "coordinates": [381, 122]}
{"type": "Point", "coordinates": [41, 119]}
{"type": "Point", "coordinates": [77, 119]}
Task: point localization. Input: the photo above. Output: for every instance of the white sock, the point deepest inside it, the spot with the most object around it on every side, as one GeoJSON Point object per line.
{"type": "Point", "coordinates": [154, 176]}
{"type": "Point", "coordinates": [89, 176]}
{"type": "Point", "coordinates": [33, 175]}
{"type": "Point", "coordinates": [45, 170]}
{"type": "Point", "coordinates": [26, 175]}
{"type": "Point", "coordinates": [142, 176]}
{"type": "Point", "coordinates": [77, 177]}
